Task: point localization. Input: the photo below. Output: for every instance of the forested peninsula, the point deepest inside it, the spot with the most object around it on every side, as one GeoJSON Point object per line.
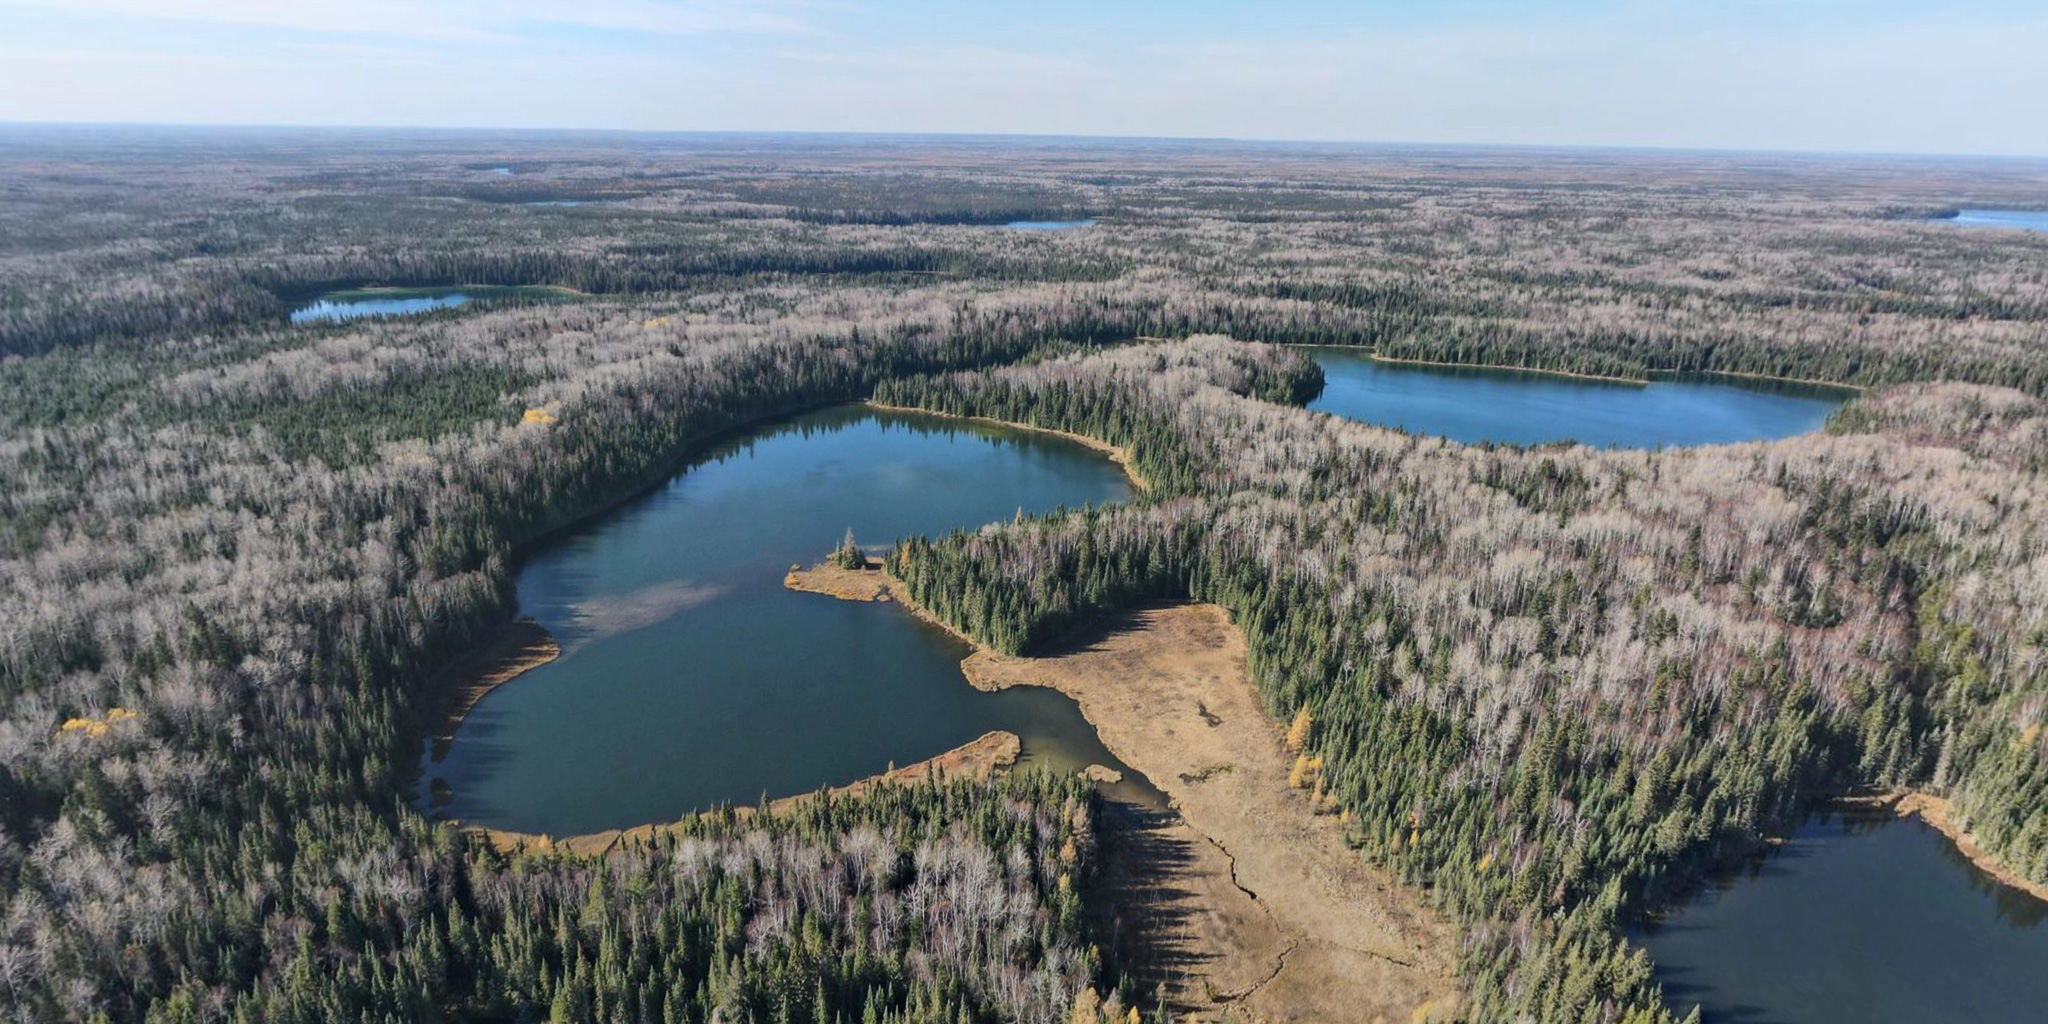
{"type": "Point", "coordinates": [1546, 689]}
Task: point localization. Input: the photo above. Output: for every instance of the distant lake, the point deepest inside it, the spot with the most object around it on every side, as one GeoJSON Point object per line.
{"type": "Point", "coordinates": [1049, 225]}
{"type": "Point", "coordinates": [360, 303]}
{"type": "Point", "coordinates": [1471, 406]}
{"type": "Point", "coordinates": [690, 676]}
{"type": "Point", "coordinates": [1858, 919]}
{"type": "Point", "coordinates": [2024, 220]}
{"type": "Point", "coordinates": [355, 306]}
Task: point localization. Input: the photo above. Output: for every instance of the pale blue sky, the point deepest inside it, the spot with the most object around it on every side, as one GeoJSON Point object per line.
{"type": "Point", "coordinates": [1877, 75]}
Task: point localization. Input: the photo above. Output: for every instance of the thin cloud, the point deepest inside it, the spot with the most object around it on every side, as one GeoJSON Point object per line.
{"type": "Point", "coordinates": [1815, 74]}
{"type": "Point", "coordinates": [470, 20]}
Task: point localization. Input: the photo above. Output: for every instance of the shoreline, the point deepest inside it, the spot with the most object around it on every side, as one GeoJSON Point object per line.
{"type": "Point", "coordinates": [518, 647]}
{"type": "Point", "coordinates": [1374, 355]}
{"type": "Point", "coordinates": [1115, 453]}
{"type": "Point", "coordinates": [1768, 378]}
{"type": "Point", "coordinates": [991, 752]}
{"type": "Point", "coordinates": [1600, 378]}
{"type": "Point", "coordinates": [1652, 376]}
{"type": "Point", "coordinates": [1939, 814]}
{"type": "Point", "coordinates": [869, 585]}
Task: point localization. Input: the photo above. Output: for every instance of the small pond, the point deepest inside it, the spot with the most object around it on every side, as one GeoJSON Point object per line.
{"type": "Point", "coordinates": [691, 677]}
{"type": "Point", "coordinates": [1859, 918]}
{"type": "Point", "coordinates": [362, 303]}
{"type": "Point", "coordinates": [2024, 220]}
{"type": "Point", "coordinates": [338, 306]}
{"type": "Point", "coordinates": [1471, 405]}
{"type": "Point", "coordinates": [1049, 225]}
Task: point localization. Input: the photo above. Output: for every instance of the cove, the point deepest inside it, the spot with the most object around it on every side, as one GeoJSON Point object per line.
{"type": "Point", "coordinates": [691, 677]}
{"type": "Point", "coordinates": [1504, 406]}
{"type": "Point", "coordinates": [1862, 916]}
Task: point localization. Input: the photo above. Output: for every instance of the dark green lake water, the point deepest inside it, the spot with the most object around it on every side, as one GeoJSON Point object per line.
{"type": "Point", "coordinates": [1858, 920]}
{"type": "Point", "coordinates": [691, 677]}
{"type": "Point", "coordinates": [1471, 406]}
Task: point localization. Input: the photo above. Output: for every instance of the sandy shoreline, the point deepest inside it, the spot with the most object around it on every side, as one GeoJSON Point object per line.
{"type": "Point", "coordinates": [993, 752]}
{"type": "Point", "coordinates": [1246, 902]}
{"type": "Point", "coordinates": [518, 648]}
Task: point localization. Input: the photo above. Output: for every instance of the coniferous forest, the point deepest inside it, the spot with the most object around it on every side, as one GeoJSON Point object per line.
{"type": "Point", "coordinates": [1550, 687]}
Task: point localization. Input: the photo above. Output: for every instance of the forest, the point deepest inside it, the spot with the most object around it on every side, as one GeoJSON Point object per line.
{"type": "Point", "coordinates": [1549, 687]}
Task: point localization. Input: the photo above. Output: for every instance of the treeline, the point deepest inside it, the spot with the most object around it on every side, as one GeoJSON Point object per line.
{"type": "Point", "coordinates": [1547, 739]}
{"type": "Point", "coordinates": [1810, 276]}
{"type": "Point", "coordinates": [940, 901]}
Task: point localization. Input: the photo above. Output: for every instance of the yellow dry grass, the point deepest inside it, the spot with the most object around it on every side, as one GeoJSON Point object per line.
{"type": "Point", "coordinates": [1271, 916]}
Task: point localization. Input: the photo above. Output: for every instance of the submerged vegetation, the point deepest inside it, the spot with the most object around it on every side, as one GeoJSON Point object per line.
{"type": "Point", "coordinates": [1548, 685]}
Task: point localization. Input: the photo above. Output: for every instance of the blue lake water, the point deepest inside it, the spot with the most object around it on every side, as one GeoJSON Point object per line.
{"type": "Point", "coordinates": [2024, 220]}
{"type": "Point", "coordinates": [1049, 225]}
{"type": "Point", "coordinates": [1472, 406]}
{"type": "Point", "coordinates": [690, 676]}
{"type": "Point", "coordinates": [1859, 919]}
{"type": "Point", "coordinates": [355, 308]}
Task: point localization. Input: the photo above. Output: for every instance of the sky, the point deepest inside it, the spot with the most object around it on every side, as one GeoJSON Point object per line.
{"type": "Point", "coordinates": [1887, 76]}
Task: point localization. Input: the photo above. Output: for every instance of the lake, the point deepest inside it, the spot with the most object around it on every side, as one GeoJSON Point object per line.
{"type": "Point", "coordinates": [342, 306]}
{"type": "Point", "coordinates": [2024, 220]}
{"type": "Point", "coordinates": [1860, 918]}
{"type": "Point", "coordinates": [691, 677]}
{"type": "Point", "coordinates": [1048, 225]}
{"type": "Point", "coordinates": [1472, 406]}
{"type": "Point", "coordinates": [357, 304]}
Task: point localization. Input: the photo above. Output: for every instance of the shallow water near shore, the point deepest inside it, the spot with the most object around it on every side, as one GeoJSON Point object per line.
{"type": "Point", "coordinates": [691, 677]}
{"type": "Point", "coordinates": [1861, 917]}
{"type": "Point", "coordinates": [1472, 406]}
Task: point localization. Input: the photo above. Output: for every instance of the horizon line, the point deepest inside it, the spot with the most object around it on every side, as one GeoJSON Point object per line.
{"type": "Point", "coordinates": [254, 126]}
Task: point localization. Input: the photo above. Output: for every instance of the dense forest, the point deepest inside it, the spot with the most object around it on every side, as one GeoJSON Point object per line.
{"type": "Point", "coordinates": [1554, 684]}
{"type": "Point", "coordinates": [1550, 686]}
